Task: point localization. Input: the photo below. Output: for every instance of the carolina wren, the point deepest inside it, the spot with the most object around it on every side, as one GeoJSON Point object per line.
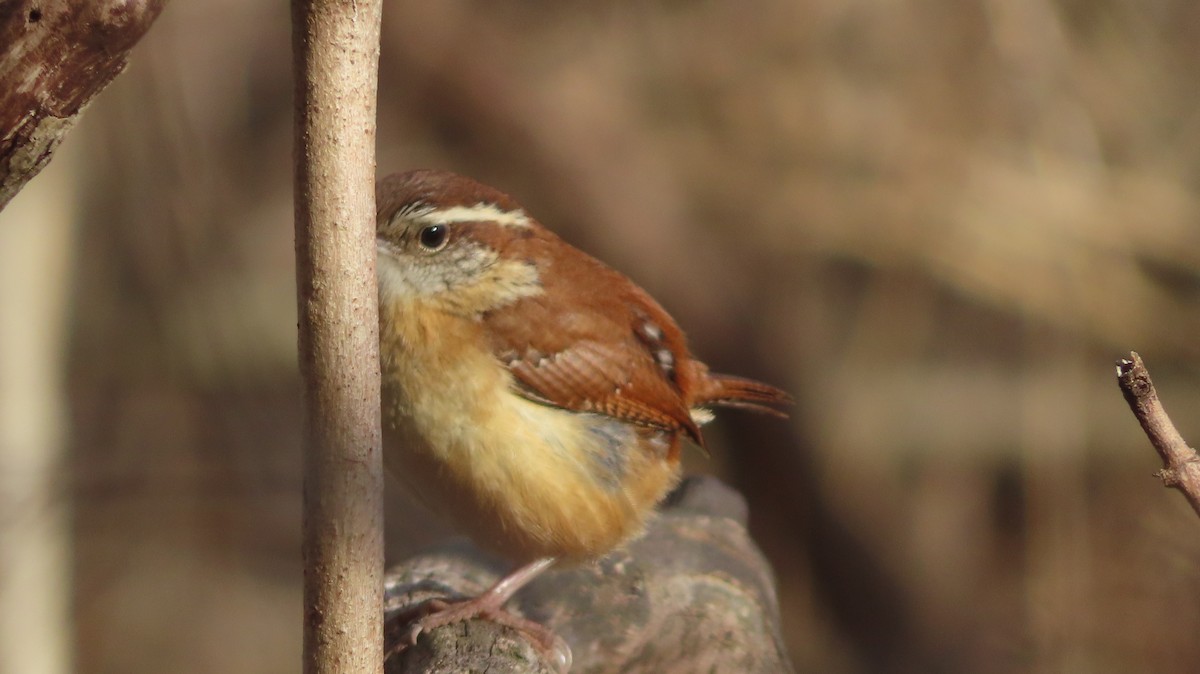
{"type": "Point", "coordinates": [532, 394]}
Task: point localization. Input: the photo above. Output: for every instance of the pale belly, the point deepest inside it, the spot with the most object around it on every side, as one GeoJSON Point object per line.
{"type": "Point", "coordinates": [522, 479]}
{"type": "Point", "coordinates": [528, 499]}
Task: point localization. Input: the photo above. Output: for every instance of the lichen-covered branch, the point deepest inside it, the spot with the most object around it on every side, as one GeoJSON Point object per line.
{"type": "Point", "coordinates": [692, 595]}
{"type": "Point", "coordinates": [57, 55]}
{"type": "Point", "coordinates": [1181, 465]}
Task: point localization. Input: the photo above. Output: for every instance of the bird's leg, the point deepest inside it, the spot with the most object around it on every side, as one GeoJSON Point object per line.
{"type": "Point", "coordinates": [489, 605]}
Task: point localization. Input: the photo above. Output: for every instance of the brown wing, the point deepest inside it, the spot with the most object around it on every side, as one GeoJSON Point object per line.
{"type": "Point", "coordinates": [594, 342]}
{"type": "Point", "coordinates": [595, 377]}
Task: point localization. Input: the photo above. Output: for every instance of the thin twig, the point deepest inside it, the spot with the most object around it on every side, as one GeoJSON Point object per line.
{"type": "Point", "coordinates": [336, 49]}
{"type": "Point", "coordinates": [1181, 464]}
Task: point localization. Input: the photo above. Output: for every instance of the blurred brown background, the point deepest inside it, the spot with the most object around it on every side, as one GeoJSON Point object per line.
{"type": "Point", "coordinates": [937, 224]}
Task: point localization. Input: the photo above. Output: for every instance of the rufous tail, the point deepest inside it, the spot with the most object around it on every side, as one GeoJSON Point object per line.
{"type": "Point", "coordinates": [725, 390]}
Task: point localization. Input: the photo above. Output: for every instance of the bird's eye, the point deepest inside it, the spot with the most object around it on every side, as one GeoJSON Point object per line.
{"type": "Point", "coordinates": [433, 237]}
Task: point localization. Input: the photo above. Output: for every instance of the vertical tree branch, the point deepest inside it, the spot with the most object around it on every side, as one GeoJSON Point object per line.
{"type": "Point", "coordinates": [37, 243]}
{"type": "Point", "coordinates": [336, 50]}
{"type": "Point", "coordinates": [1181, 465]}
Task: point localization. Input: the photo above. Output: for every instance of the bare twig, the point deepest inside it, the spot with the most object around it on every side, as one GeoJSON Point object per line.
{"type": "Point", "coordinates": [1181, 465]}
{"type": "Point", "coordinates": [336, 48]}
{"type": "Point", "coordinates": [57, 55]}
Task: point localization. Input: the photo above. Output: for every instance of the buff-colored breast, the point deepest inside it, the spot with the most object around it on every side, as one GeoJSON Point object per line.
{"type": "Point", "coordinates": [523, 479]}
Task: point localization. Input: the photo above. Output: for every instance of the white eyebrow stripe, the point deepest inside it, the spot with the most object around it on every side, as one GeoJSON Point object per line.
{"type": "Point", "coordinates": [480, 212]}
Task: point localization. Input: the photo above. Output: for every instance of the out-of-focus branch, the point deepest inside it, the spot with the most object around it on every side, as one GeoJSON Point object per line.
{"type": "Point", "coordinates": [37, 246]}
{"type": "Point", "coordinates": [57, 55]}
{"type": "Point", "coordinates": [336, 51]}
{"type": "Point", "coordinates": [1181, 464]}
{"type": "Point", "coordinates": [692, 595]}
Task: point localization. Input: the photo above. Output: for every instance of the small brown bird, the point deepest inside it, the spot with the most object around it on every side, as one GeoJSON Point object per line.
{"type": "Point", "coordinates": [532, 394]}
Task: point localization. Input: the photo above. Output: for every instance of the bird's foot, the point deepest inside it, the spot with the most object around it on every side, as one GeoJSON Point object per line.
{"type": "Point", "coordinates": [430, 615]}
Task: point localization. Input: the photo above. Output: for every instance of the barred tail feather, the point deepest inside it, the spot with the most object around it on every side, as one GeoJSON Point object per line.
{"type": "Point", "coordinates": [723, 390]}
